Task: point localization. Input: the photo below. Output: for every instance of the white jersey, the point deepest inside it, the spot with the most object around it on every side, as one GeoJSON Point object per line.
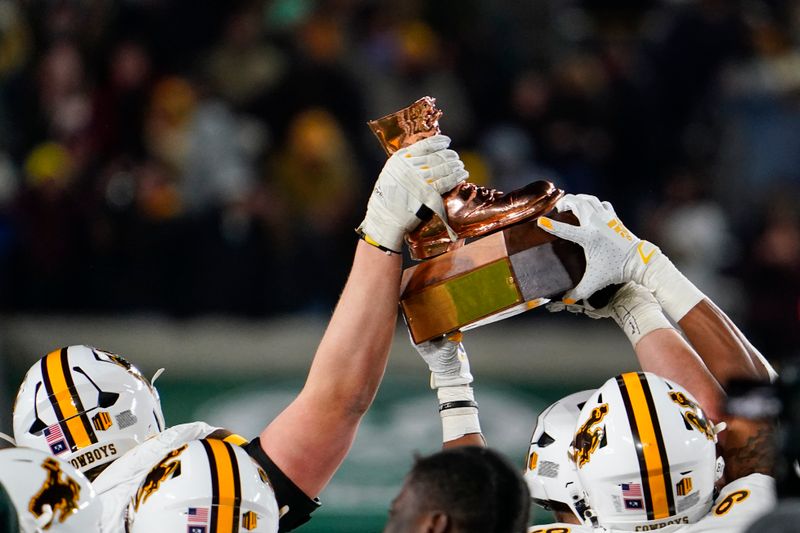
{"type": "Point", "coordinates": [117, 484]}
{"type": "Point", "coordinates": [738, 505]}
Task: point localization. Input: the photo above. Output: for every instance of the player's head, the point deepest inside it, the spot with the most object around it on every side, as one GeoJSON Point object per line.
{"type": "Point", "coordinates": [645, 454]}
{"type": "Point", "coordinates": [48, 494]}
{"type": "Point", "coordinates": [466, 490]}
{"type": "Point", "coordinates": [85, 406]}
{"type": "Point", "coordinates": [551, 476]}
{"type": "Point", "coordinates": [205, 485]}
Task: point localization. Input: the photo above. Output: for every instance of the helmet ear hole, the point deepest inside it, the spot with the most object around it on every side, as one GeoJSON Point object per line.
{"type": "Point", "coordinates": [545, 440]}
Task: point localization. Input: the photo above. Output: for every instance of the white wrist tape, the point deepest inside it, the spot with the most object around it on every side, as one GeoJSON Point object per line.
{"type": "Point", "coordinates": [638, 318]}
{"type": "Point", "coordinates": [458, 421]}
{"type": "Point", "coordinates": [676, 294]}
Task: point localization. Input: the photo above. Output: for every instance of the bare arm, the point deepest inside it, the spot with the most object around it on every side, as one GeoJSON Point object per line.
{"type": "Point", "coordinates": [719, 352]}
{"type": "Point", "coordinates": [659, 348]}
{"type": "Point", "coordinates": [471, 439]}
{"type": "Point", "coordinates": [722, 346]}
{"type": "Point", "coordinates": [615, 255]}
{"type": "Point", "coordinates": [310, 438]}
{"type": "Point", "coordinates": [666, 353]}
{"type": "Point", "coordinates": [747, 445]}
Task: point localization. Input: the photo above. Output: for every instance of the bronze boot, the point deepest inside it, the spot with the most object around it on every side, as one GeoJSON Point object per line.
{"type": "Point", "coordinates": [473, 211]}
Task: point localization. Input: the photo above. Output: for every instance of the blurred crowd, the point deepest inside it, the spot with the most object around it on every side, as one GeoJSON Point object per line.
{"type": "Point", "coordinates": [194, 157]}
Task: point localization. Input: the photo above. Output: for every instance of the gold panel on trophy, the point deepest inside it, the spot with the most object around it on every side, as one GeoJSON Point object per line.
{"type": "Point", "coordinates": [489, 279]}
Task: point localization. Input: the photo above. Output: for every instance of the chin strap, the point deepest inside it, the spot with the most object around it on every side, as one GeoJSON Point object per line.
{"type": "Point", "coordinates": [585, 513]}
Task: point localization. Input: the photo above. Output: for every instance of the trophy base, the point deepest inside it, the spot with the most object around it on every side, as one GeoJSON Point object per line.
{"type": "Point", "coordinates": [489, 279]}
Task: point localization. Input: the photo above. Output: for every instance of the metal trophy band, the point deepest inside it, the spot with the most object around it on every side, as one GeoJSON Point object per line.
{"type": "Point", "coordinates": [501, 264]}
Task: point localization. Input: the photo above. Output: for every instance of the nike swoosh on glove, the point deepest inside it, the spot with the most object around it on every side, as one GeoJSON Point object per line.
{"type": "Point", "coordinates": [612, 251]}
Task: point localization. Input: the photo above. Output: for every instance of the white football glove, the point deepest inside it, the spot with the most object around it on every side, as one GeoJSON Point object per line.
{"type": "Point", "coordinates": [412, 177]}
{"type": "Point", "coordinates": [615, 255]}
{"type": "Point", "coordinates": [447, 361]}
{"type": "Point", "coordinates": [450, 376]}
{"type": "Point", "coordinates": [606, 243]}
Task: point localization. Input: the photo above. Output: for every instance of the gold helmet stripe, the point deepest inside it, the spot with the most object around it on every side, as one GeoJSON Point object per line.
{"type": "Point", "coordinates": [238, 440]}
{"type": "Point", "coordinates": [662, 449]}
{"type": "Point", "coordinates": [650, 449]}
{"type": "Point", "coordinates": [226, 486]}
{"type": "Point", "coordinates": [65, 400]}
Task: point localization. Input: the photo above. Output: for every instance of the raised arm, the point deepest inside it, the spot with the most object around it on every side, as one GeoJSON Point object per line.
{"type": "Point", "coordinates": [723, 347]}
{"type": "Point", "coordinates": [747, 445]}
{"type": "Point", "coordinates": [452, 380]}
{"type": "Point", "coordinates": [658, 346]}
{"type": "Point", "coordinates": [615, 255]}
{"type": "Point", "coordinates": [310, 438]}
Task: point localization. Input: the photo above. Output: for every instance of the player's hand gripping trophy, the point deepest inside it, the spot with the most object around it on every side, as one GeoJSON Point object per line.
{"type": "Point", "coordinates": [509, 267]}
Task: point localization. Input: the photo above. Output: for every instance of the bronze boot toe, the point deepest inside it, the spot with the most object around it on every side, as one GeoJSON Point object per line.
{"type": "Point", "coordinates": [473, 211]}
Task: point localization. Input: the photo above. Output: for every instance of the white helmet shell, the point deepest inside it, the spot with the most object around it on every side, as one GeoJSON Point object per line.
{"type": "Point", "coordinates": [645, 454]}
{"type": "Point", "coordinates": [49, 494]}
{"type": "Point", "coordinates": [550, 474]}
{"type": "Point", "coordinates": [85, 406]}
{"type": "Point", "coordinates": [205, 485]}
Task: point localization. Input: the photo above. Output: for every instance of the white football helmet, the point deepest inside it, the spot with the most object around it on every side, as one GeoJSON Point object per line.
{"type": "Point", "coordinates": [49, 494]}
{"type": "Point", "coordinates": [85, 406]}
{"type": "Point", "coordinates": [205, 485]}
{"type": "Point", "coordinates": [551, 476]}
{"type": "Point", "coordinates": [645, 454]}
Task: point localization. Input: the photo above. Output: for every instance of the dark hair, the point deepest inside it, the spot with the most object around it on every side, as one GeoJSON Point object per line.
{"type": "Point", "coordinates": [476, 487]}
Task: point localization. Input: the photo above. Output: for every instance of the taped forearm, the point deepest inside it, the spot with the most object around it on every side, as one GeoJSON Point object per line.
{"type": "Point", "coordinates": [676, 294]}
{"type": "Point", "coordinates": [636, 312]}
{"type": "Point", "coordinates": [458, 411]}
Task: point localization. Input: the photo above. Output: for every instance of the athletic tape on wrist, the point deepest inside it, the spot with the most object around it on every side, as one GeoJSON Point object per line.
{"type": "Point", "coordinates": [455, 393]}
{"type": "Point", "coordinates": [676, 294]}
{"type": "Point", "coordinates": [637, 319]}
{"type": "Point", "coordinates": [458, 411]}
{"type": "Point", "coordinates": [459, 422]}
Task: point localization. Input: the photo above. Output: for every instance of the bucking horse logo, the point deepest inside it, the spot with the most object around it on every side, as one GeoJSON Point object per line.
{"type": "Point", "coordinates": [163, 471]}
{"type": "Point", "coordinates": [60, 494]}
{"type": "Point", "coordinates": [588, 438]}
{"type": "Point", "coordinates": [693, 415]}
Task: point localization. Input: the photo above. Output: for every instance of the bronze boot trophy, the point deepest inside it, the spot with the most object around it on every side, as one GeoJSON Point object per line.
{"type": "Point", "coordinates": [510, 266]}
{"type": "Point", "coordinates": [471, 210]}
